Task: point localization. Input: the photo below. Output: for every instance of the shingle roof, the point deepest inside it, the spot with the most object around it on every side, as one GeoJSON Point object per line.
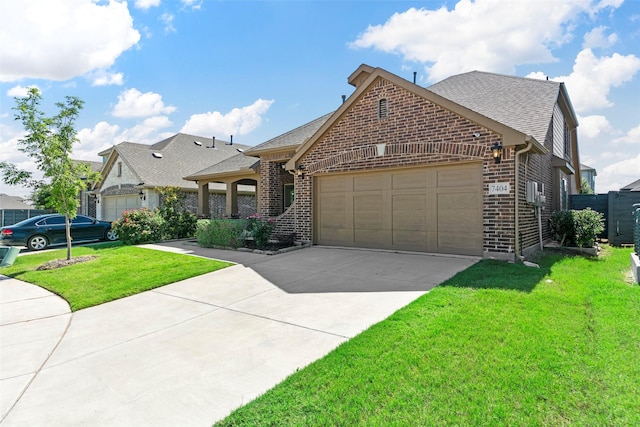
{"type": "Point", "coordinates": [292, 138]}
{"type": "Point", "coordinates": [232, 164]}
{"type": "Point", "coordinates": [181, 155]}
{"type": "Point", "coordinates": [634, 186]}
{"type": "Point", "coordinates": [13, 202]}
{"type": "Point", "coordinates": [523, 104]}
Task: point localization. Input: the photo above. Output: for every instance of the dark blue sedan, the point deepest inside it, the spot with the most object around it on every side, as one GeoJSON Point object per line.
{"type": "Point", "coordinates": [43, 231]}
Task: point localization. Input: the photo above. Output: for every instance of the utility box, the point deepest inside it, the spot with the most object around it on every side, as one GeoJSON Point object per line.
{"type": "Point", "coordinates": [8, 255]}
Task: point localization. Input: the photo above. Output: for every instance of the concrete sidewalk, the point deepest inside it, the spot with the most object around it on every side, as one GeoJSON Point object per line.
{"type": "Point", "coordinates": [191, 352]}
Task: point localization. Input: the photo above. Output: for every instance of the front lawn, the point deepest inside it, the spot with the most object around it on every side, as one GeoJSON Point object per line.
{"type": "Point", "coordinates": [116, 272]}
{"type": "Point", "coordinates": [498, 344]}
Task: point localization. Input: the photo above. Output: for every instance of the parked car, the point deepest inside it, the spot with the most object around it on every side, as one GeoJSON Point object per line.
{"type": "Point", "coordinates": [42, 231]}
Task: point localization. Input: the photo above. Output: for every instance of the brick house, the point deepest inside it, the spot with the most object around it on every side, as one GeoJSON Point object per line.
{"type": "Point", "coordinates": [402, 167]}
{"type": "Point", "coordinates": [132, 172]}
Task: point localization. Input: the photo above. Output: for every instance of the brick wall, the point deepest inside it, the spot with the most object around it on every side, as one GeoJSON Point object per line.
{"type": "Point", "coordinates": [272, 180]}
{"type": "Point", "coordinates": [417, 132]}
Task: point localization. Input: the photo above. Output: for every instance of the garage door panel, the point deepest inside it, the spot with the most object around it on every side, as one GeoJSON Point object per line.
{"type": "Point", "coordinates": [113, 206]}
{"type": "Point", "coordinates": [410, 240]}
{"type": "Point", "coordinates": [369, 238]}
{"type": "Point", "coordinates": [368, 183]}
{"type": "Point", "coordinates": [404, 210]}
{"type": "Point", "coordinates": [411, 180]}
{"type": "Point", "coordinates": [333, 184]}
{"type": "Point", "coordinates": [466, 176]}
{"type": "Point", "coordinates": [460, 243]}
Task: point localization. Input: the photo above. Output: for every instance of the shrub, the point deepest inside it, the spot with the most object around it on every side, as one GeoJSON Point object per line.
{"type": "Point", "coordinates": [227, 233]}
{"type": "Point", "coordinates": [260, 229]}
{"type": "Point", "coordinates": [178, 222]}
{"type": "Point", "coordinates": [579, 228]}
{"type": "Point", "coordinates": [138, 226]}
{"type": "Point", "coordinates": [588, 224]}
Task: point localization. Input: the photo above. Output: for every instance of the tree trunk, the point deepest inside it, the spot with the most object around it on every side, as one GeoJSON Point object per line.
{"type": "Point", "coordinates": [67, 227]}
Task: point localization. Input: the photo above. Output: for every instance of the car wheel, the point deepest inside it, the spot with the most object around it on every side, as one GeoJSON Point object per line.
{"type": "Point", "coordinates": [37, 243]}
{"type": "Point", "coordinates": [111, 235]}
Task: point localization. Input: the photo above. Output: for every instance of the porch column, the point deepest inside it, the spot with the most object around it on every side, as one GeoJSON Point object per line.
{"type": "Point", "coordinates": [203, 200]}
{"type": "Point", "coordinates": [232, 199]}
{"type": "Point", "coordinates": [258, 189]}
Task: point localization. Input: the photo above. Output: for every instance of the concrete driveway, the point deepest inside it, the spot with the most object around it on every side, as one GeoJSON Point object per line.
{"type": "Point", "coordinates": [189, 353]}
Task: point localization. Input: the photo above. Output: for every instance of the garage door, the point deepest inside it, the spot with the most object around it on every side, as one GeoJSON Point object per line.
{"type": "Point", "coordinates": [435, 209]}
{"type": "Point", "coordinates": [113, 206]}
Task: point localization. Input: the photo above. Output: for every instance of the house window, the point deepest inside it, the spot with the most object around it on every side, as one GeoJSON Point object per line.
{"type": "Point", "coordinates": [564, 197]}
{"type": "Point", "coordinates": [288, 194]}
{"type": "Point", "coordinates": [383, 109]}
{"type": "Point", "coordinates": [119, 168]}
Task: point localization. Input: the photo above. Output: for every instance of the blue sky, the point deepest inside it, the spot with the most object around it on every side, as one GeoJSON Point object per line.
{"type": "Point", "coordinates": [148, 69]}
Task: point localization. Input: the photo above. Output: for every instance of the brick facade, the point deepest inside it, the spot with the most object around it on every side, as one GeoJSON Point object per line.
{"type": "Point", "coordinates": [416, 132]}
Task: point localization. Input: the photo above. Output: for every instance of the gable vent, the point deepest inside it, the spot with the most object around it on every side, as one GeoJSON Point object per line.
{"type": "Point", "coordinates": [383, 109]}
{"type": "Point", "coordinates": [157, 155]}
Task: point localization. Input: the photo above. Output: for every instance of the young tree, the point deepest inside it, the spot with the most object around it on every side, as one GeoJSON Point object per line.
{"type": "Point", "coordinates": [49, 142]}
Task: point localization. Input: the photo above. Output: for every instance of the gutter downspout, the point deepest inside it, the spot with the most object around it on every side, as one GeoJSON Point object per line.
{"type": "Point", "coordinates": [517, 183]}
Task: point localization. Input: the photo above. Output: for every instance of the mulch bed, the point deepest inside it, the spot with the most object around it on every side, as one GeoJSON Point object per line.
{"type": "Point", "coordinates": [57, 263]}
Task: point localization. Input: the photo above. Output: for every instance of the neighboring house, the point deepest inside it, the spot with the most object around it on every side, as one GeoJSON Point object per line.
{"type": "Point", "coordinates": [13, 202]}
{"type": "Point", "coordinates": [634, 186]}
{"type": "Point", "coordinates": [132, 173]}
{"type": "Point", "coordinates": [402, 167]}
{"type": "Point", "coordinates": [589, 173]}
{"type": "Point", "coordinates": [87, 197]}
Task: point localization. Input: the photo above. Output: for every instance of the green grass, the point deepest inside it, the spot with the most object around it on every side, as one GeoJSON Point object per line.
{"type": "Point", "coordinates": [116, 272]}
{"type": "Point", "coordinates": [498, 344]}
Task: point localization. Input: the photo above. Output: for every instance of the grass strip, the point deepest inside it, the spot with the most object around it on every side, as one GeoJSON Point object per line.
{"type": "Point", "coordinates": [498, 344]}
{"type": "Point", "coordinates": [116, 272]}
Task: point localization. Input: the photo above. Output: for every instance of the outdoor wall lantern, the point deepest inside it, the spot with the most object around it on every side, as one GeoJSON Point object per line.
{"type": "Point", "coordinates": [300, 171]}
{"type": "Point", "coordinates": [142, 196]}
{"type": "Point", "coordinates": [496, 151]}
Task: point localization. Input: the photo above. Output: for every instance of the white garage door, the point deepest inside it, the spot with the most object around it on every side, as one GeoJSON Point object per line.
{"type": "Point", "coordinates": [113, 206]}
{"type": "Point", "coordinates": [434, 209]}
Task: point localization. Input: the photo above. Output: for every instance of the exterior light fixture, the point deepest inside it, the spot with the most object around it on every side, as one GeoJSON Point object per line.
{"type": "Point", "coordinates": [142, 196]}
{"type": "Point", "coordinates": [496, 151]}
{"type": "Point", "coordinates": [300, 171]}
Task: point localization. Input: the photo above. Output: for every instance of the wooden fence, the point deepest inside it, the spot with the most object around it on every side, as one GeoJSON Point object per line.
{"type": "Point", "coordinates": [618, 213]}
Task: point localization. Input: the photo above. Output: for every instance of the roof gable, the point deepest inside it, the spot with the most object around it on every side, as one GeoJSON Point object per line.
{"type": "Point", "coordinates": [366, 77]}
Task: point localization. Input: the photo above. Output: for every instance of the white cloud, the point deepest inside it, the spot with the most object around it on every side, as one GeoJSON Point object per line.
{"type": "Point", "coordinates": [593, 77]}
{"type": "Point", "coordinates": [148, 131]}
{"type": "Point", "coordinates": [59, 40]}
{"type": "Point", "coordinates": [133, 103]}
{"type": "Point", "coordinates": [146, 4]}
{"type": "Point", "coordinates": [238, 121]}
{"type": "Point", "coordinates": [632, 137]}
{"type": "Point", "coordinates": [619, 174]}
{"type": "Point", "coordinates": [92, 141]}
{"type": "Point", "coordinates": [167, 20]}
{"type": "Point", "coordinates": [597, 39]}
{"type": "Point", "coordinates": [489, 35]}
{"type": "Point", "coordinates": [20, 91]}
{"type": "Point", "coordinates": [105, 78]}
{"type": "Point", "coordinates": [193, 4]}
{"type": "Point", "coordinates": [592, 126]}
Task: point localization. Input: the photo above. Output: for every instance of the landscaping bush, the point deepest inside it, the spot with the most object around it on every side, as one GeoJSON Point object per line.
{"type": "Point", "coordinates": [260, 228]}
{"type": "Point", "coordinates": [178, 222]}
{"type": "Point", "coordinates": [226, 233]}
{"type": "Point", "coordinates": [138, 226]}
{"type": "Point", "coordinates": [577, 228]}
